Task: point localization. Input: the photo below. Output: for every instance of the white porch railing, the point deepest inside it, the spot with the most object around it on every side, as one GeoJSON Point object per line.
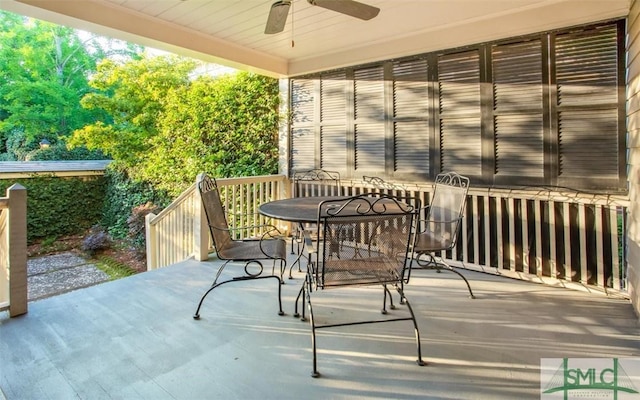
{"type": "Point", "coordinates": [13, 251]}
{"type": "Point", "coordinates": [559, 238]}
{"type": "Point", "coordinates": [180, 231]}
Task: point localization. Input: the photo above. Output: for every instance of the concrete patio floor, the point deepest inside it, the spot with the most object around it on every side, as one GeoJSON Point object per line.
{"type": "Point", "coordinates": [135, 338]}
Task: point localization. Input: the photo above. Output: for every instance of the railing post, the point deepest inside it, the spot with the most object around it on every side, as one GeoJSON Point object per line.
{"type": "Point", "coordinates": [17, 229]}
{"type": "Point", "coordinates": [284, 192]}
{"type": "Point", "coordinates": [200, 226]}
{"type": "Point", "coordinates": [151, 242]}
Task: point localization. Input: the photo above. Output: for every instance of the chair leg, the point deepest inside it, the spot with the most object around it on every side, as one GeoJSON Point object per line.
{"type": "Point", "coordinates": [463, 278]}
{"type": "Point", "coordinates": [431, 263]}
{"type": "Point", "coordinates": [314, 372]}
{"type": "Point", "coordinates": [301, 294]}
{"type": "Point", "coordinates": [238, 279]}
{"type": "Point", "coordinates": [420, 361]}
{"type": "Point", "coordinates": [384, 302]}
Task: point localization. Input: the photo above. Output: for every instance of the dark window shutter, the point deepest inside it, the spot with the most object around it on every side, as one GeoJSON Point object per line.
{"type": "Point", "coordinates": [587, 91]}
{"type": "Point", "coordinates": [518, 109]}
{"type": "Point", "coordinates": [546, 109]}
{"type": "Point", "coordinates": [332, 98]}
{"type": "Point", "coordinates": [411, 116]}
{"type": "Point", "coordinates": [302, 124]}
{"type": "Point", "coordinates": [588, 143]}
{"type": "Point", "coordinates": [302, 149]}
{"type": "Point", "coordinates": [334, 148]}
{"type": "Point", "coordinates": [302, 101]}
{"type": "Point", "coordinates": [369, 119]}
{"type": "Point", "coordinates": [333, 131]}
{"type": "Point", "coordinates": [460, 113]}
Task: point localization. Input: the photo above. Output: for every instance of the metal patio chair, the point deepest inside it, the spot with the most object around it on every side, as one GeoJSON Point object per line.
{"type": "Point", "coordinates": [250, 252]}
{"type": "Point", "coordinates": [438, 232]}
{"type": "Point", "coordinates": [312, 183]}
{"type": "Point", "coordinates": [374, 252]}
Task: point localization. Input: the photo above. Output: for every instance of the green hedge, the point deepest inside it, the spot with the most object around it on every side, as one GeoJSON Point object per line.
{"type": "Point", "coordinates": [122, 195]}
{"type": "Point", "coordinates": [60, 206]}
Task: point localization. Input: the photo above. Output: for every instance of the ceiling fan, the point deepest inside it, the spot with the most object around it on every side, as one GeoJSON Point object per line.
{"type": "Point", "coordinates": [280, 9]}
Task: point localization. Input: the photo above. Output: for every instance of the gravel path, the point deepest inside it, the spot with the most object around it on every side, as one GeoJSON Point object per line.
{"type": "Point", "coordinates": [60, 273]}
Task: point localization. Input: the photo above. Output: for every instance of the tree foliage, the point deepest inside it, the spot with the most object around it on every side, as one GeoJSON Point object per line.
{"type": "Point", "coordinates": [165, 127]}
{"type": "Point", "coordinates": [44, 70]}
{"type": "Point", "coordinates": [225, 126]}
{"type": "Point", "coordinates": [131, 96]}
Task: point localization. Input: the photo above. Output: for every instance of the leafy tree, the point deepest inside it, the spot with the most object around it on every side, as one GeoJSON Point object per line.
{"type": "Point", "coordinates": [227, 126]}
{"type": "Point", "coordinates": [132, 96]}
{"type": "Point", "coordinates": [44, 70]}
{"type": "Point", "coordinates": [165, 127]}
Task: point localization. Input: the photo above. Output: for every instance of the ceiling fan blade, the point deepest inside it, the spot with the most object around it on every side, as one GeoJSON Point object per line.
{"type": "Point", "coordinates": [348, 7]}
{"type": "Point", "coordinates": [277, 16]}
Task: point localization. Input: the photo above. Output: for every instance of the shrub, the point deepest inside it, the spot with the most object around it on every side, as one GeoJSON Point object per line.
{"type": "Point", "coordinates": [97, 240]}
{"type": "Point", "coordinates": [136, 222]}
{"type": "Point", "coordinates": [122, 196]}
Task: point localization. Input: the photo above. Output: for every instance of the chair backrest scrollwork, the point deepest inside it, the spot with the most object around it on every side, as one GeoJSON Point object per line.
{"type": "Point", "coordinates": [365, 240]}
{"type": "Point", "coordinates": [316, 182]}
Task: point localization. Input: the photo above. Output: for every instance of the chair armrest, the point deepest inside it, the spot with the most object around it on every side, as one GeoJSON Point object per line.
{"type": "Point", "coordinates": [269, 231]}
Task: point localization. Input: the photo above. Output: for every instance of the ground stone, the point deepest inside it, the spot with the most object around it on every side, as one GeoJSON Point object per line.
{"type": "Point", "coordinates": [60, 273]}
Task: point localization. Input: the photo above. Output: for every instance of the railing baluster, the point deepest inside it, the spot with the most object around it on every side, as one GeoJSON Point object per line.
{"type": "Point", "coordinates": [475, 233]}
{"type": "Point", "coordinates": [615, 264]}
{"type": "Point", "coordinates": [526, 251]}
{"type": "Point", "coordinates": [499, 232]}
{"type": "Point", "coordinates": [553, 254]}
{"type": "Point", "coordinates": [567, 241]}
{"type": "Point", "coordinates": [538, 235]}
{"type": "Point", "coordinates": [511, 211]}
{"type": "Point", "coordinates": [487, 232]}
{"type": "Point", "coordinates": [582, 218]}
{"type": "Point", "coordinates": [600, 278]}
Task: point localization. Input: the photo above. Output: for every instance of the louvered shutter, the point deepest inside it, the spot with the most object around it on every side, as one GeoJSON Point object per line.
{"type": "Point", "coordinates": [518, 109]}
{"type": "Point", "coordinates": [411, 116]}
{"type": "Point", "coordinates": [369, 120]}
{"type": "Point", "coordinates": [587, 91]}
{"type": "Point", "coordinates": [460, 113]}
{"type": "Point", "coordinates": [333, 131]}
{"type": "Point", "coordinates": [302, 128]}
